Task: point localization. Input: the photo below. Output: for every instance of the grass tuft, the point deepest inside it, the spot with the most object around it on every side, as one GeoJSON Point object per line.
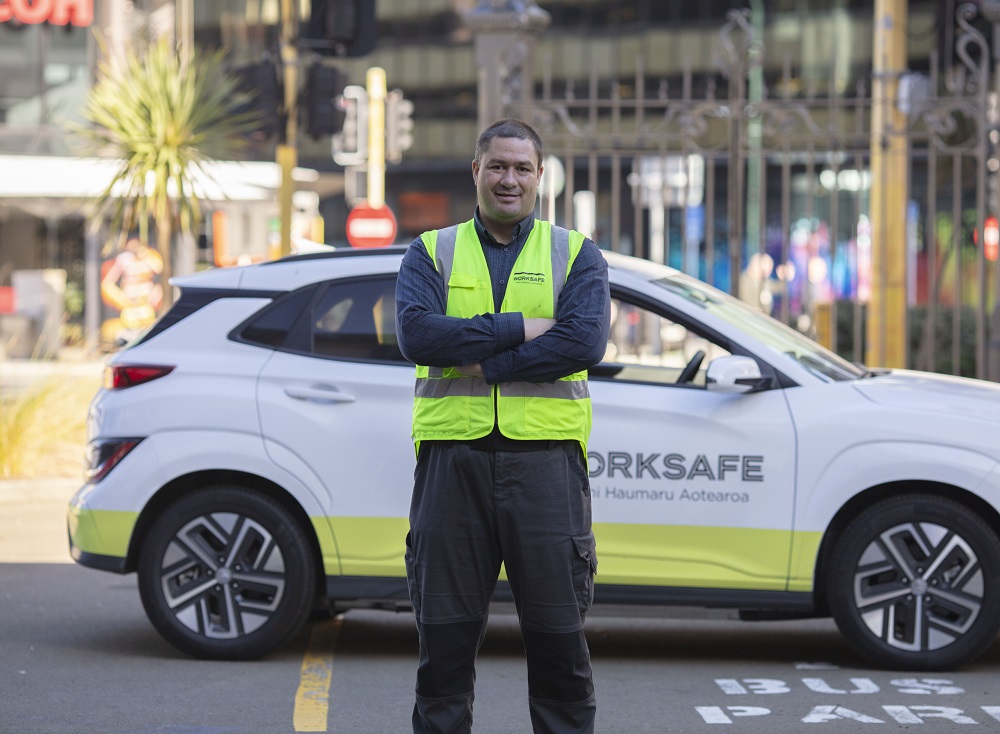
{"type": "Point", "coordinates": [43, 429]}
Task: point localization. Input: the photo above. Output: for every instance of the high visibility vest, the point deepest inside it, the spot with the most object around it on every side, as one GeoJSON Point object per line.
{"type": "Point", "coordinates": [448, 405]}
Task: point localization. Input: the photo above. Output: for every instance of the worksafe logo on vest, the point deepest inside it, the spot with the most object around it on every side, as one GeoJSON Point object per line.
{"type": "Point", "coordinates": [523, 277]}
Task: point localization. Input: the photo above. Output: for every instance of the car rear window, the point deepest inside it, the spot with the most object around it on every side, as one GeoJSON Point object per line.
{"type": "Point", "coordinates": [191, 301]}
{"type": "Point", "coordinates": [353, 319]}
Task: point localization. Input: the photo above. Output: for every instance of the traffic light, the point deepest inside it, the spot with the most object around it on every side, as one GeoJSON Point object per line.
{"type": "Point", "coordinates": [350, 145]}
{"type": "Point", "coordinates": [398, 125]}
{"type": "Point", "coordinates": [324, 114]}
{"type": "Point", "coordinates": [339, 27]}
{"type": "Point", "coordinates": [258, 84]}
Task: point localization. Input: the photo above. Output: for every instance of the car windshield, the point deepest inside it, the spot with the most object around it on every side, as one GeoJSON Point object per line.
{"type": "Point", "coordinates": [779, 337]}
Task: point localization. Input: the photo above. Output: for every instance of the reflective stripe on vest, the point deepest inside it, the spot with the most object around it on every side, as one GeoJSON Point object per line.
{"type": "Point", "coordinates": [449, 405]}
{"type": "Point", "coordinates": [444, 258]}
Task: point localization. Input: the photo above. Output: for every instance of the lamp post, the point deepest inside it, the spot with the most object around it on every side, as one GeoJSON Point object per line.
{"type": "Point", "coordinates": [886, 335]}
{"type": "Point", "coordinates": [990, 10]}
{"type": "Point", "coordinates": [287, 152]}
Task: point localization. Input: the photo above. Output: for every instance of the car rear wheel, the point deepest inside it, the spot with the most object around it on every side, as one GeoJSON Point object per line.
{"type": "Point", "coordinates": [226, 572]}
{"type": "Point", "coordinates": [914, 583]}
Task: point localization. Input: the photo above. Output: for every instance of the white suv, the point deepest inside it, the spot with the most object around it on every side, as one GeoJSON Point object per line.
{"type": "Point", "coordinates": [250, 459]}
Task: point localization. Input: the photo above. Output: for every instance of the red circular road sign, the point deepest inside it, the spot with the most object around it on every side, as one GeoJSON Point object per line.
{"type": "Point", "coordinates": [371, 226]}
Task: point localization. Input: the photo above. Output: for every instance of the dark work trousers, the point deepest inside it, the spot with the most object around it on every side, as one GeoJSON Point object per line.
{"type": "Point", "coordinates": [472, 510]}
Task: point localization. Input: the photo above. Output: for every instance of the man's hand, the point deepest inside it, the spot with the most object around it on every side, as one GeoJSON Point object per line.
{"type": "Point", "coordinates": [536, 327]}
{"type": "Point", "coordinates": [532, 328]}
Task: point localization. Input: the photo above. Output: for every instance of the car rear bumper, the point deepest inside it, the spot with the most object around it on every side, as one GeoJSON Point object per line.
{"type": "Point", "coordinates": [98, 538]}
{"type": "Point", "coordinates": [114, 564]}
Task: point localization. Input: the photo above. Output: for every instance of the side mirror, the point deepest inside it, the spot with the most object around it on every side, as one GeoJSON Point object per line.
{"type": "Point", "coordinates": [735, 374]}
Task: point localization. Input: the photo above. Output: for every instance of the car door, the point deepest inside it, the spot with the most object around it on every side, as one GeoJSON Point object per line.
{"type": "Point", "coordinates": [691, 487]}
{"type": "Point", "coordinates": [335, 409]}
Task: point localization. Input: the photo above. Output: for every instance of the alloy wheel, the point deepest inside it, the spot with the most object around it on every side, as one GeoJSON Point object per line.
{"type": "Point", "coordinates": [226, 572]}
{"type": "Point", "coordinates": [223, 575]}
{"type": "Point", "coordinates": [918, 586]}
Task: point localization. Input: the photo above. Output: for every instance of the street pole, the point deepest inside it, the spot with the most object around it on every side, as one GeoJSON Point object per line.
{"type": "Point", "coordinates": [376, 88]}
{"type": "Point", "coordinates": [754, 132]}
{"type": "Point", "coordinates": [886, 321]}
{"type": "Point", "coordinates": [185, 29]}
{"type": "Point", "coordinates": [991, 11]}
{"type": "Point", "coordinates": [287, 153]}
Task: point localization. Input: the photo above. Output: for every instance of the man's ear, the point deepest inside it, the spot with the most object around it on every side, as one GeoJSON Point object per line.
{"type": "Point", "coordinates": [475, 172]}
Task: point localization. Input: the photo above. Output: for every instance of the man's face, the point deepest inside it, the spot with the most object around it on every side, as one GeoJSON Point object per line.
{"type": "Point", "coordinates": [507, 179]}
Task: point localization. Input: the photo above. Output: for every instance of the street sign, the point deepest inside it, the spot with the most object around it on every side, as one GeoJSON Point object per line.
{"type": "Point", "coordinates": [371, 226]}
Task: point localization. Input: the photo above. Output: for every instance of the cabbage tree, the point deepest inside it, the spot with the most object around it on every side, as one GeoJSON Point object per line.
{"type": "Point", "coordinates": [162, 115]}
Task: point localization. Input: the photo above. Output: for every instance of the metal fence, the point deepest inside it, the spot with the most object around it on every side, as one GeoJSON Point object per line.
{"type": "Point", "coordinates": [763, 189]}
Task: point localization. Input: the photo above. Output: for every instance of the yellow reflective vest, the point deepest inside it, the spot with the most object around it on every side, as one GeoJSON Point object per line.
{"type": "Point", "coordinates": [448, 405]}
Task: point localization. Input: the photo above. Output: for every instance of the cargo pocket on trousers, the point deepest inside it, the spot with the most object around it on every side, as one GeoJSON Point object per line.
{"type": "Point", "coordinates": [411, 577]}
{"type": "Point", "coordinates": [584, 570]}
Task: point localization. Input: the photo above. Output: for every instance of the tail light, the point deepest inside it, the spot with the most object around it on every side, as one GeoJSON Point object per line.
{"type": "Point", "coordinates": [120, 376]}
{"type": "Point", "coordinates": [104, 454]}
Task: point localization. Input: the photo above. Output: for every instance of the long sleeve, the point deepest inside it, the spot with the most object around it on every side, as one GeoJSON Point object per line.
{"type": "Point", "coordinates": [427, 336]}
{"type": "Point", "coordinates": [576, 342]}
{"type": "Point", "coordinates": [580, 336]}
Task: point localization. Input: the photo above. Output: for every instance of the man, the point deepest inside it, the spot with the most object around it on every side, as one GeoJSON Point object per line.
{"type": "Point", "coordinates": [503, 315]}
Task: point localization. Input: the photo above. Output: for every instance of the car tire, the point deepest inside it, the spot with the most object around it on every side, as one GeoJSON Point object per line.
{"type": "Point", "coordinates": [227, 573]}
{"type": "Point", "coordinates": [914, 584]}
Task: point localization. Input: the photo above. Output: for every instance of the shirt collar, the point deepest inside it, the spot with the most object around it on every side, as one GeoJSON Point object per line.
{"type": "Point", "coordinates": [521, 230]}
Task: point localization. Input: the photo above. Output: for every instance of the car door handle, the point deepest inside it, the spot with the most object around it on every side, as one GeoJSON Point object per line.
{"type": "Point", "coordinates": [319, 394]}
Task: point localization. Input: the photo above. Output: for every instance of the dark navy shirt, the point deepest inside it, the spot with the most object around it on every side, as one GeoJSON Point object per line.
{"type": "Point", "coordinates": [496, 340]}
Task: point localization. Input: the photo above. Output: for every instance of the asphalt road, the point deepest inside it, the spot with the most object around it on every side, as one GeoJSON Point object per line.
{"type": "Point", "coordinates": [77, 656]}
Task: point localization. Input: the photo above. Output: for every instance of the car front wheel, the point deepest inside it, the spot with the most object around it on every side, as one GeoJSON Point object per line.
{"type": "Point", "coordinates": [226, 572]}
{"type": "Point", "coordinates": [915, 583]}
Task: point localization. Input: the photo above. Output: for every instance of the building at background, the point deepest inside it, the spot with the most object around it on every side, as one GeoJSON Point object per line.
{"type": "Point", "coordinates": [812, 48]}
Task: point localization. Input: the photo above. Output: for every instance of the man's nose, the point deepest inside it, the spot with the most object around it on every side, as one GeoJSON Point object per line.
{"type": "Point", "coordinates": [508, 178]}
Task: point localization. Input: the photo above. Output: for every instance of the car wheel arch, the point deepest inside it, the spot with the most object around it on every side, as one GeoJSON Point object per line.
{"type": "Point", "coordinates": [875, 494]}
{"type": "Point", "coordinates": [184, 485]}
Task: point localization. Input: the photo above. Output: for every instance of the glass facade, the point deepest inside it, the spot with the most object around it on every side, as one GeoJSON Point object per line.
{"type": "Point", "coordinates": [427, 51]}
{"type": "Point", "coordinates": [44, 78]}
{"type": "Point", "coordinates": [812, 49]}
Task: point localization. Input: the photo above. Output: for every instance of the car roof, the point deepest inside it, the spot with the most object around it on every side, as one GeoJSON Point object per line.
{"type": "Point", "coordinates": [294, 271]}
{"type": "Point", "coordinates": [636, 266]}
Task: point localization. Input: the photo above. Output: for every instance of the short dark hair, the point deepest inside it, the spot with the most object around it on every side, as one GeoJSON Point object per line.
{"type": "Point", "coordinates": [508, 128]}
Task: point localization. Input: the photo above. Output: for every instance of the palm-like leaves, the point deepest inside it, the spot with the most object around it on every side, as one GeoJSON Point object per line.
{"type": "Point", "coordinates": [162, 116]}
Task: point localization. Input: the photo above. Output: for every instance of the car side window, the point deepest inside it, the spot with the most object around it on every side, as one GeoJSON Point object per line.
{"type": "Point", "coordinates": [356, 320]}
{"type": "Point", "coordinates": [653, 348]}
{"type": "Point", "coordinates": [270, 327]}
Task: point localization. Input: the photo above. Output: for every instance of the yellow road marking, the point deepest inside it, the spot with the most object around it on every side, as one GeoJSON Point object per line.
{"type": "Point", "coordinates": [312, 700]}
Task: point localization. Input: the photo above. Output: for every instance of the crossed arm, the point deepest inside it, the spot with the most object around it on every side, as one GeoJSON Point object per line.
{"type": "Point", "coordinates": [533, 328]}
{"type": "Point", "coordinates": [504, 347]}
